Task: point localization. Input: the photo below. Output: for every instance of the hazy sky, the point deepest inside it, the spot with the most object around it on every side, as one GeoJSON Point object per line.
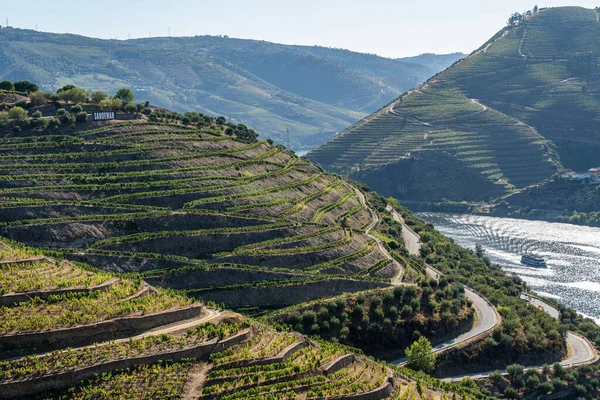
{"type": "Point", "coordinates": [391, 28]}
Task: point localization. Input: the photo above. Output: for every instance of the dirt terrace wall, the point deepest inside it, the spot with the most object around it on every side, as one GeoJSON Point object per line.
{"type": "Point", "coordinates": [283, 296]}
{"type": "Point", "coordinates": [115, 263]}
{"type": "Point", "coordinates": [216, 277]}
{"type": "Point", "coordinates": [15, 298]}
{"type": "Point", "coordinates": [24, 389]}
{"type": "Point", "coordinates": [43, 341]}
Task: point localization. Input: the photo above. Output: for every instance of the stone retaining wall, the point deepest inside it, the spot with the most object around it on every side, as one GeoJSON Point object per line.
{"type": "Point", "coordinates": [28, 387]}
{"type": "Point", "coordinates": [43, 341]}
{"type": "Point", "coordinates": [382, 392]}
{"type": "Point", "coordinates": [339, 364]}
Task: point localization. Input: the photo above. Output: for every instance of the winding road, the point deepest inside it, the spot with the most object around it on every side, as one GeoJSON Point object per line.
{"type": "Point", "coordinates": [582, 351]}
{"type": "Point", "coordinates": [487, 317]}
{"type": "Point", "coordinates": [396, 280]}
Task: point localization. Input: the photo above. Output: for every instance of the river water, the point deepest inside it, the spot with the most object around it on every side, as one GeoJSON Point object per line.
{"type": "Point", "coordinates": [572, 253]}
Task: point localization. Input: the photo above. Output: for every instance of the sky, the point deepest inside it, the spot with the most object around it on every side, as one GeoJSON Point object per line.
{"type": "Point", "coordinates": [390, 28]}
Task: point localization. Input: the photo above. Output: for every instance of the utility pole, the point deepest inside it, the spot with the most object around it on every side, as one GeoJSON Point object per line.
{"type": "Point", "coordinates": [36, 27]}
{"type": "Point", "coordinates": [169, 31]}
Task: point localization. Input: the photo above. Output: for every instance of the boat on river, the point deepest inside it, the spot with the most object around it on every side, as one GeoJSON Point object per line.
{"type": "Point", "coordinates": [533, 261]}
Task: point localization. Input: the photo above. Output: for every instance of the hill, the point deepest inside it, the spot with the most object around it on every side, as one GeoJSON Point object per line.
{"type": "Point", "coordinates": [190, 203]}
{"type": "Point", "coordinates": [510, 115]}
{"type": "Point", "coordinates": [143, 217]}
{"type": "Point", "coordinates": [313, 91]}
{"type": "Point", "coordinates": [72, 333]}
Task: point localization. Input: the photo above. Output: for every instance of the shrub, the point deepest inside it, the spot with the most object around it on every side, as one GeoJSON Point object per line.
{"type": "Point", "coordinates": [308, 318]}
{"type": "Point", "coordinates": [532, 382]}
{"type": "Point", "coordinates": [496, 377]}
{"type": "Point", "coordinates": [131, 108]}
{"type": "Point", "coordinates": [407, 311]}
{"type": "Point", "coordinates": [511, 393]}
{"type": "Point", "coordinates": [37, 114]}
{"type": "Point", "coordinates": [18, 114]}
{"type": "Point", "coordinates": [361, 299]}
{"type": "Point", "coordinates": [38, 123]}
{"type": "Point", "coordinates": [398, 292]}
{"type": "Point", "coordinates": [37, 98]}
{"type": "Point", "coordinates": [375, 302]}
{"type": "Point", "coordinates": [82, 117]}
{"type": "Point", "coordinates": [54, 123]}
{"type": "Point", "coordinates": [546, 387]}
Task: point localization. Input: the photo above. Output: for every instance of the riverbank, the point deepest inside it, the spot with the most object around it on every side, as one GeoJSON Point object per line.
{"type": "Point", "coordinates": [571, 251]}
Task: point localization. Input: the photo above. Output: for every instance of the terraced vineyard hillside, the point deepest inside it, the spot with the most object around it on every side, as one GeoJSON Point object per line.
{"type": "Point", "coordinates": [238, 222]}
{"type": "Point", "coordinates": [70, 333]}
{"type": "Point", "coordinates": [514, 112]}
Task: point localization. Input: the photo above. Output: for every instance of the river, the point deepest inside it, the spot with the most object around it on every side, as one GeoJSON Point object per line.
{"type": "Point", "coordinates": [572, 253]}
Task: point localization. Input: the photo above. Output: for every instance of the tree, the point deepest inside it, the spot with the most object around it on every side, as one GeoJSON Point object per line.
{"type": "Point", "coordinates": [73, 95]}
{"type": "Point", "coordinates": [479, 251]}
{"type": "Point", "coordinates": [66, 88]}
{"type": "Point", "coordinates": [111, 104]}
{"type": "Point", "coordinates": [125, 95]}
{"type": "Point", "coordinates": [535, 9]}
{"type": "Point", "coordinates": [98, 96]}
{"type": "Point", "coordinates": [515, 19]}
{"type": "Point", "coordinates": [6, 85]}
{"type": "Point", "coordinates": [515, 372]}
{"type": "Point", "coordinates": [26, 87]}
{"type": "Point", "coordinates": [18, 114]}
{"type": "Point", "coordinates": [421, 356]}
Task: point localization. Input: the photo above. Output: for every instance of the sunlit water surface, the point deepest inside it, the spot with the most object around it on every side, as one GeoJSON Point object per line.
{"type": "Point", "coordinates": [572, 253]}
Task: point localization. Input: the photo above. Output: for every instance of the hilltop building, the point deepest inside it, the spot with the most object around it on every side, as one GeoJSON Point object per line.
{"type": "Point", "coordinates": [593, 175]}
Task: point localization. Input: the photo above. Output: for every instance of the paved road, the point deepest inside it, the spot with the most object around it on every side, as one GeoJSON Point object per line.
{"type": "Point", "coordinates": [582, 352]}
{"type": "Point", "coordinates": [411, 239]}
{"type": "Point", "coordinates": [486, 321]}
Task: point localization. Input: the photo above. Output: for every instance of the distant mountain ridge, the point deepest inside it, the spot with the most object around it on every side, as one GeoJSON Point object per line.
{"type": "Point", "coordinates": [314, 92]}
{"type": "Point", "coordinates": [513, 113]}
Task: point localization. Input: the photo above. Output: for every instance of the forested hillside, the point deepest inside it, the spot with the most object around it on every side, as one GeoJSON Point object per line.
{"type": "Point", "coordinates": [522, 107]}
{"type": "Point", "coordinates": [314, 92]}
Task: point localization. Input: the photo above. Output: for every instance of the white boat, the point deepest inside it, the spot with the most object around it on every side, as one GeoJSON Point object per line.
{"type": "Point", "coordinates": [533, 261]}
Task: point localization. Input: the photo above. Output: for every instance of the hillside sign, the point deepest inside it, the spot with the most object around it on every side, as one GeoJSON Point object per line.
{"type": "Point", "coordinates": [103, 115]}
